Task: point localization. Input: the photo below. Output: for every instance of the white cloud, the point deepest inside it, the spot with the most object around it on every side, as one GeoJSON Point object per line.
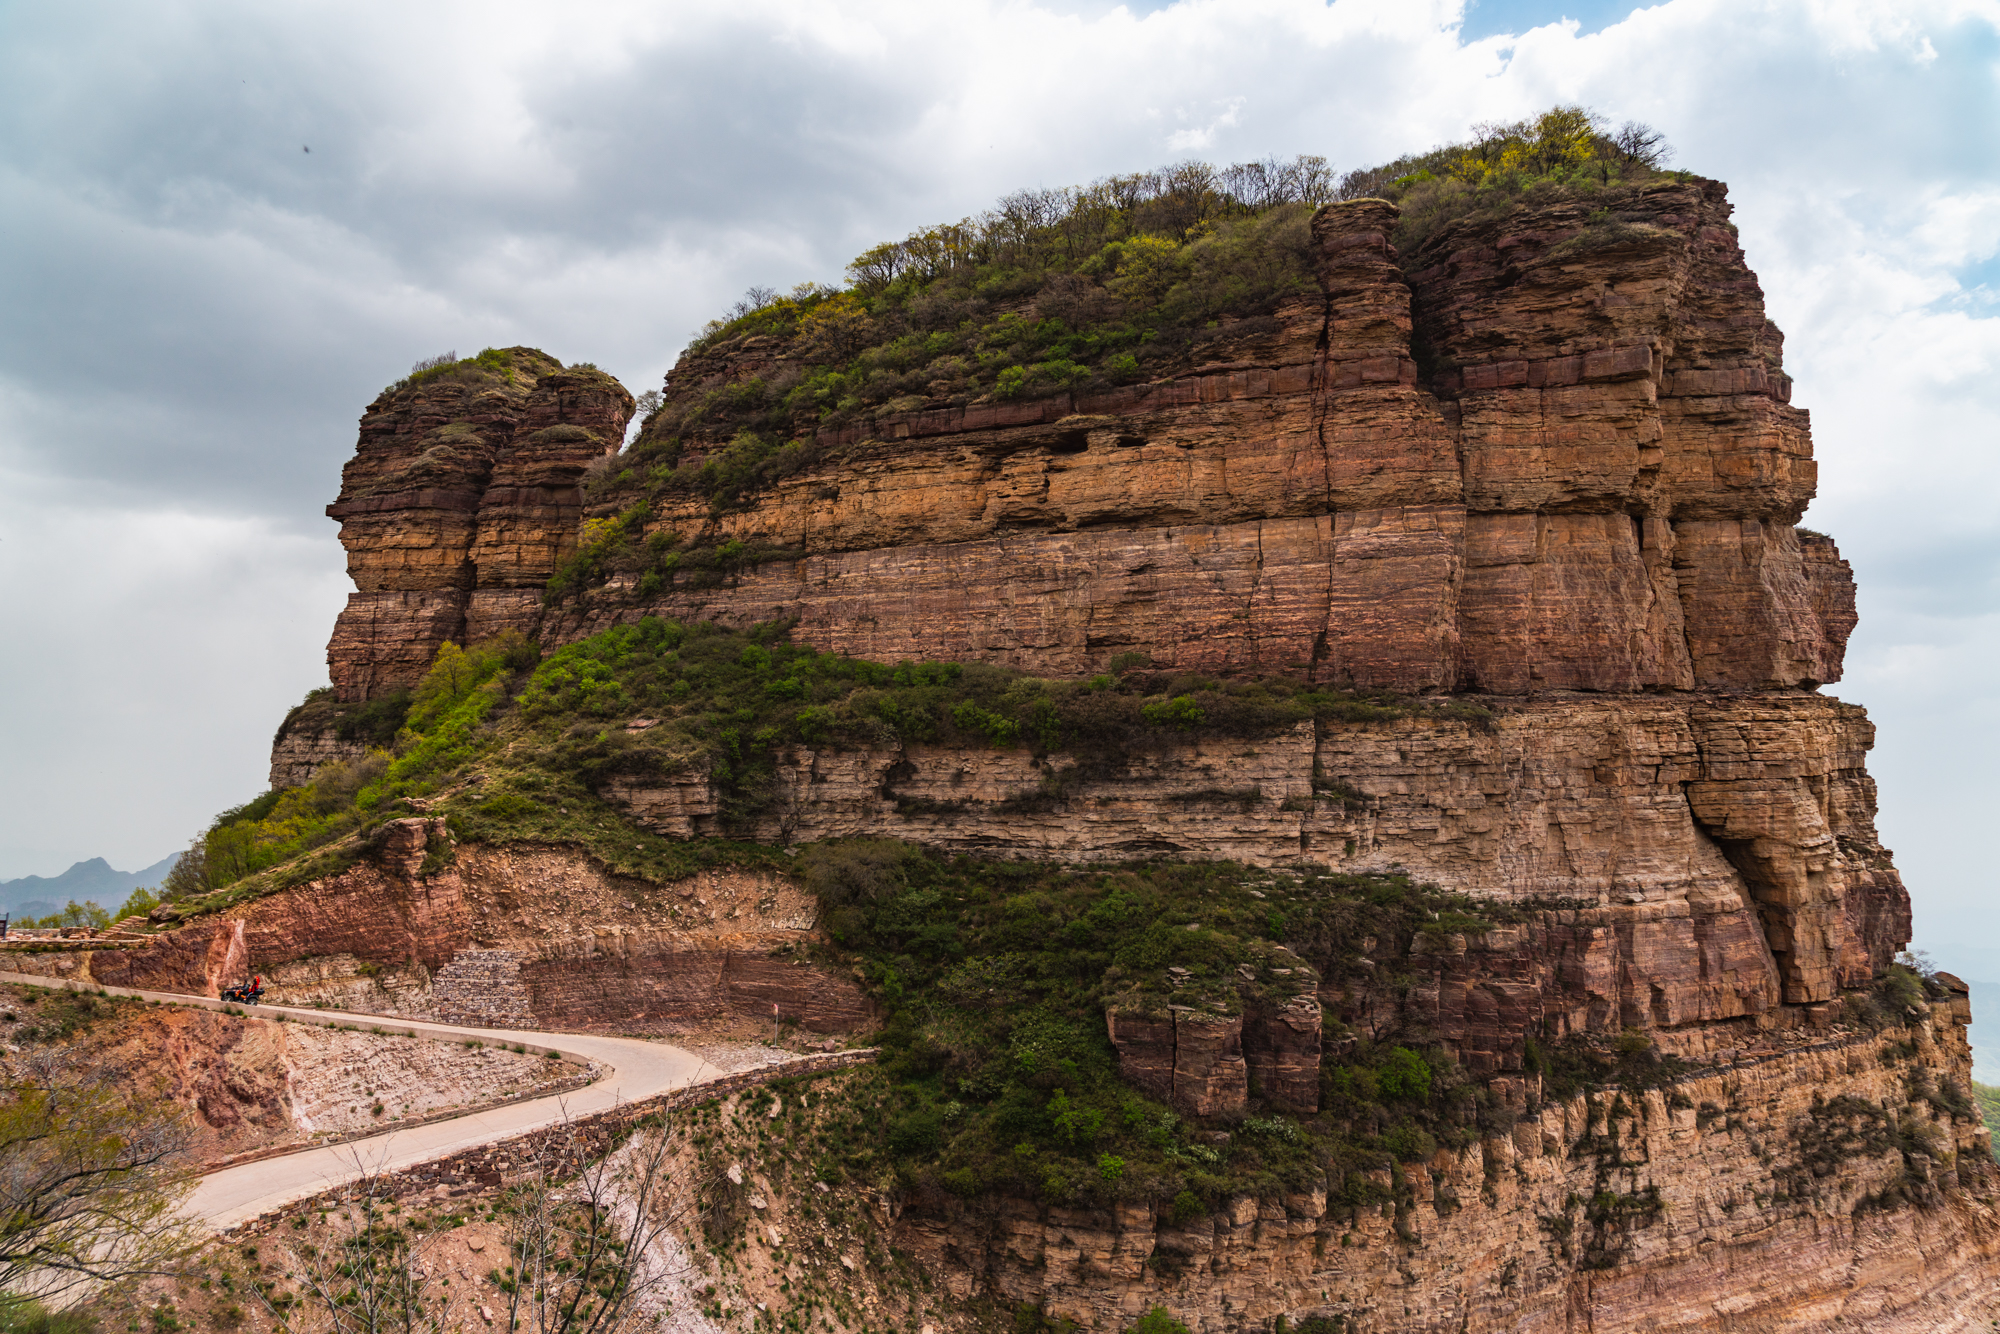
{"type": "Point", "coordinates": [1195, 140]}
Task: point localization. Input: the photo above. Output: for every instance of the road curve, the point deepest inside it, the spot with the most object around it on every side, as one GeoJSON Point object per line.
{"type": "Point", "coordinates": [634, 1069]}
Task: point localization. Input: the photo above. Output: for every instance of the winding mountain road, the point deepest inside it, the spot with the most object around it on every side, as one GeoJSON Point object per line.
{"type": "Point", "coordinates": [634, 1069]}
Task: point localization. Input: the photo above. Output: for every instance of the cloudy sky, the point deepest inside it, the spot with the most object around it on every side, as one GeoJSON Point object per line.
{"type": "Point", "coordinates": [196, 307]}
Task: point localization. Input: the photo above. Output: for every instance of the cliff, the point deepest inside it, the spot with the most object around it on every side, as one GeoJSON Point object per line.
{"type": "Point", "coordinates": [464, 483]}
{"type": "Point", "coordinates": [1463, 586]}
{"type": "Point", "coordinates": [1530, 458]}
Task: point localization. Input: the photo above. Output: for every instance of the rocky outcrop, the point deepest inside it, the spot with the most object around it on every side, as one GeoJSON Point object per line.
{"type": "Point", "coordinates": [1764, 1190]}
{"type": "Point", "coordinates": [520, 937]}
{"type": "Point", "coordinates": [1209, 1051]}
{"type": "Point", "coordinates": [1546, 465]}
{"type": "Point", "coordinates": [1546, 452]}
{"type": "Point", "coordinates": [1728, 841]}
{"type": "Point", "coordinates": [298, 756]}
{"type": "Point", "coordinates": [462, 481]}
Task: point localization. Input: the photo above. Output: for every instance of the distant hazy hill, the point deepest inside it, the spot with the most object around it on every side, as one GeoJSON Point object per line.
{"type": "Point", "coordinates": [93, 880]}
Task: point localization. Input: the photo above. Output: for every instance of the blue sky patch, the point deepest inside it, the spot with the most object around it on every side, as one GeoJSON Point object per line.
{"type": "Point", "coordinates": [1489, 18]}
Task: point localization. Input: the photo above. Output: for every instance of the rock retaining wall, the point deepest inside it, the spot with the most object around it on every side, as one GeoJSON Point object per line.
{"type": "Point", "coordinates": [563, 1146]}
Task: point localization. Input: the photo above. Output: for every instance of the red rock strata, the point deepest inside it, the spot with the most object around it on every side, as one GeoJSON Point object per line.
{"type": "Point", "coordinates": [592, 949]}
{"type": "Point", "coordinates": [1531, 458]}
{"type": "Point", "coordinates": [1695, 1207]}
{"type": "Point", "coordinates": [465, 482]}
{"type": "Point", "coordinates": [1548, 460]}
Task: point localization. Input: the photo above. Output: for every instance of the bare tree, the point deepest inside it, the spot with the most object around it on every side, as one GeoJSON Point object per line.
{"type": "Point", "coordinates": [1642, 144]}
{"type": "Point", "coordinates": [588, 1244]}
{"type": "Point", "coordinates": [92, 1178]}
{"type": "Point", "coordinates": [374, 1279]}
{"type": "Point", "coordinates": [588, 1254]}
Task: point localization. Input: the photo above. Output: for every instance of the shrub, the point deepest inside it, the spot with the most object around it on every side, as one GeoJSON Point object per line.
{"type": "Point", "coordinates": [1405, 1076]}
{"type": "Point", "coordinates": [1409, 1144]}
{"type": "Point", "coordinates": [1564, 150]}
{"type": "Point", "coordinates": [1182, 714]}
{"type": "Point", "coordinates": [1901, 990]}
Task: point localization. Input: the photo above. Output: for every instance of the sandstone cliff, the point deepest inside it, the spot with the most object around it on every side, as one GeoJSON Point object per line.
{"type": "Point", "coordinates": [1531, 458]}
{"type": "Point", "coordinates": [463, 483]}
{"type": "Point", "coordinates": [1546, 465]}
{"type": "Point", "coordinates": [515, 937]}
{"type": "Point", "coordinates": [1765, 1193]}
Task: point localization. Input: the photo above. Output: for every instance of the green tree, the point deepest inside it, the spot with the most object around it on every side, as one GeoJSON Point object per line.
{"type": "Point", "coordinates": [1406, 1075]}
{"type": "Point", "coordinates": [86, 913]}
{"type": "Point", "coordinates": [1158, 1321]}
{"type": "Point", "coordinates": [138, 904]}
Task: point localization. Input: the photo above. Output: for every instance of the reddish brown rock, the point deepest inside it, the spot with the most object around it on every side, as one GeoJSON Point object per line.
{"type": "Point", "coordinates": [589, 949]}
{"type": "Point", "coordinates": [1704, 831]}
{"type": "Point", "coordinates": [1210, 1076]}
{"type": "Point", "coordinates": [1210, 1047]}
{"type": "Point", "coordinates": [1281, 1047]}
{"type": "Point", "coordinates": [1787, 816]}
{"type": "Point", "coordinates": [1592, 487]}
{"type": "Point", "coordinates": [1511, 1233]}
{"type": "Point", "coordinates": [1570, 602]}
{"type": "Point", "coordinates": [1145, 1046]}
{"type": "Point", "coordinates": [531, 506]}
{"type": "Point", "coordinates": [1756, 619]}
{"type": "Point", "coordinates": [422, 506]}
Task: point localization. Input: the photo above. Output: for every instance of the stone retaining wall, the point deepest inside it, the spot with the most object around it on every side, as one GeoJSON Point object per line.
{"type": "Point", "coordinates": [564, 1146]}
{"type": "Point", "coordinates": [483, 988]}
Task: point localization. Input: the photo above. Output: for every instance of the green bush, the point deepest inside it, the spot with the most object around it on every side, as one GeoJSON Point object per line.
{"type": "Point", "coordinates": [1901, 990]}
{"type": "Point", "coordinates": [21, 1315]}
{"type": "Point", "coordinates": [1068, 292]}
{"type": "Point", "coordinates": [490, 366]}
{"type": "Point", "coordinates": [1077, 291]}
{"type": "Point", "coordinates": [1406, 1076]}
{"type": "Point", "coordinates": [1563, 152]}
{"type": "Point", "coordinates": [1409, 1144]}
{"type": "Point", "coordinates": [1158, 1321]}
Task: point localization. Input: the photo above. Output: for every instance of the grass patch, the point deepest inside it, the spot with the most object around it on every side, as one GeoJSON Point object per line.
{"type": "Point", "coordinates": [510, 747]}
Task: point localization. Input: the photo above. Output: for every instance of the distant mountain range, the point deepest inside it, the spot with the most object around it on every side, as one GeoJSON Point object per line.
{"type": "Point", "coordinates": [94, 881]}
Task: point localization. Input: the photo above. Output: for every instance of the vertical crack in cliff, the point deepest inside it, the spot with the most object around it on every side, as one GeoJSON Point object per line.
{"type": "Point", "coordinates": [1322, 398]}
{"type": "Point", "coordinates": [1250, 599]}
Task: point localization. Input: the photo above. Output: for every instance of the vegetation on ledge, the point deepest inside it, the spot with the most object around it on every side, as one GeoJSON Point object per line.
{"type": "Point", "coordinates": [1069, 291]}
{"type": "Point", "coordinates": [998, 1074]}
{"type": "Point", "coordinates": [511, 746]}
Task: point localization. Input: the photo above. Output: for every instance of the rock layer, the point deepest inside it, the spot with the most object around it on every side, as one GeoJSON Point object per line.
{"type": "Point", "coordinates": [1729, 840]}
{"type": "Point", "coordinates": [462, 482]}
{"type": "Point", "coordinates": [1548, 452]}
{"type": "Point", "coordinates": [1709, 1205]}
{"type": "Point", "coordinates": [580, 948]}
{"type": "Point", "coordinates": [1547, 463]}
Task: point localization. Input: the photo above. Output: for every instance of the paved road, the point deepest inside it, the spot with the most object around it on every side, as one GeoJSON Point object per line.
{"type": "Point", "coordinates": [635, 1069]}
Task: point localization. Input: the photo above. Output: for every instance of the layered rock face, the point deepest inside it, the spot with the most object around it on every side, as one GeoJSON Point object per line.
{"type": "Point", "coordinates": [1546, 465]}
{"type": "Point", "coordinates": [1530, 459]}
{"type": "Point", "coordinates": [544, 939]}
{"type": "Point", "coordinates": [1729, 840]}
{"type": "Point", "coordinates": [1764, 1193]}
{"type": "Point", "coordinates": [464, 482]}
